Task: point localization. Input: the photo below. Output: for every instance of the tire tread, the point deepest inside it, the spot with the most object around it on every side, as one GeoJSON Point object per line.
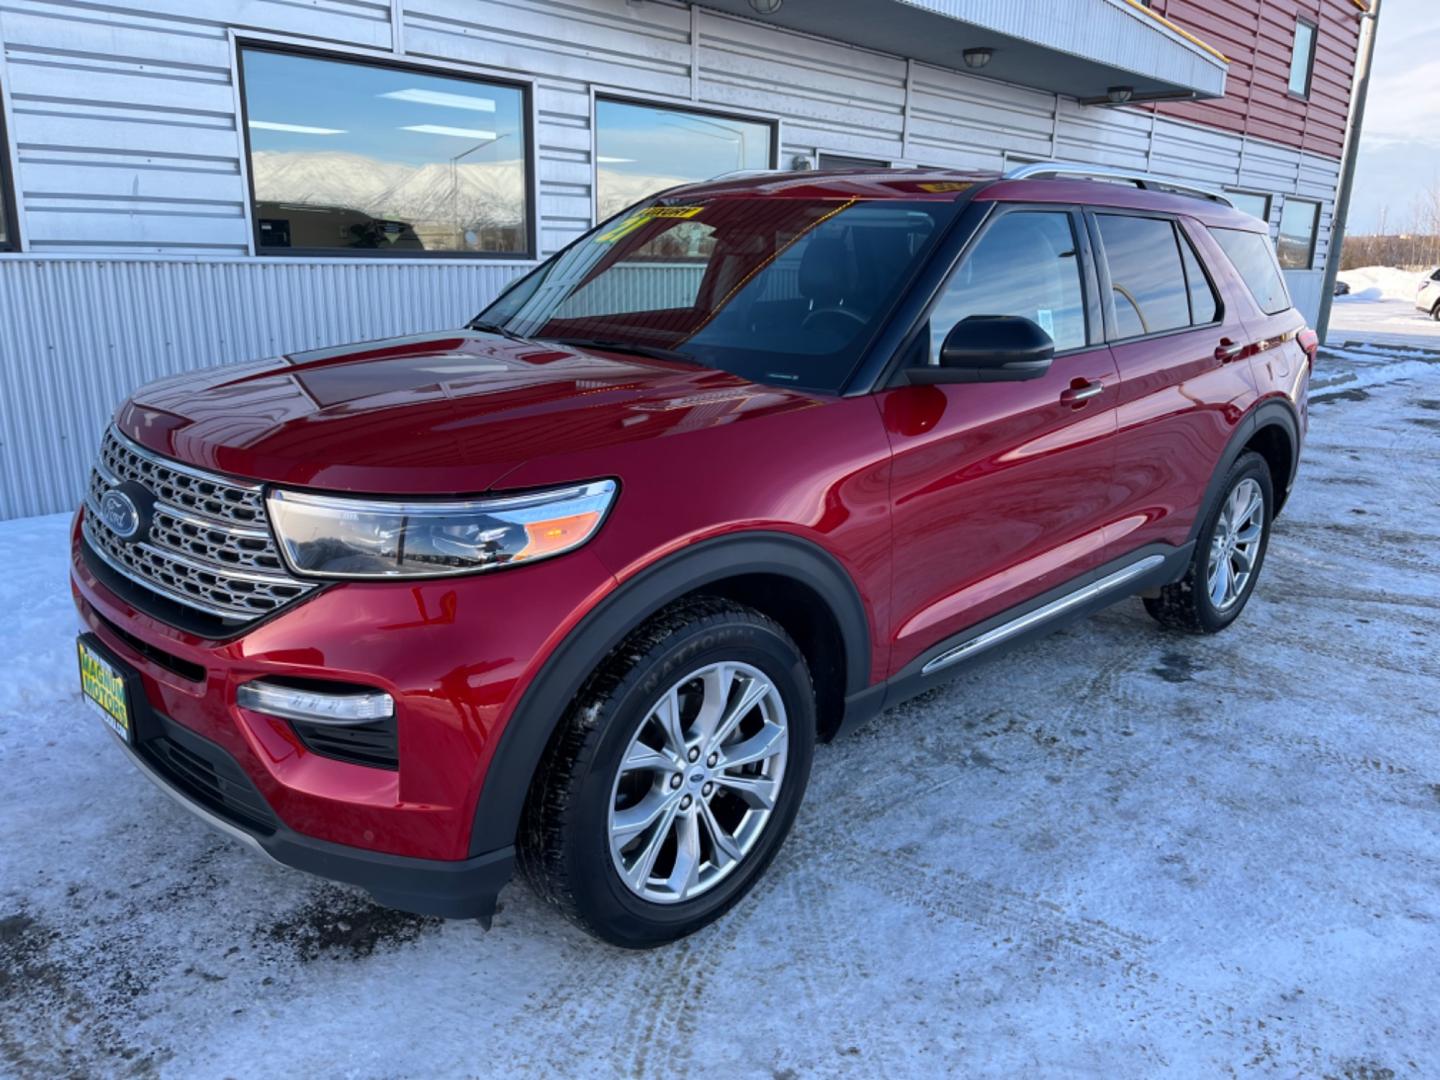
{"type": "Point", "coordinates": [1179, 605]}
{"type": "Point", "coordinates": [551, 814]}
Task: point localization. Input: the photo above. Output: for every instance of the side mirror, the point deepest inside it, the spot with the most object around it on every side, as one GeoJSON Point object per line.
{"type": "Point", "coordinates": [989, 348]}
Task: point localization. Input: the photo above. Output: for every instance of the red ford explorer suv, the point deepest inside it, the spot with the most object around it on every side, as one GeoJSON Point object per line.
{"type": "Point", "coordinates": [582, 584]}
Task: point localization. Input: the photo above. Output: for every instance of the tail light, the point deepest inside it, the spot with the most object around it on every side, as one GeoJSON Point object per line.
{"type": "Point", "coordinates": [1310, 342]}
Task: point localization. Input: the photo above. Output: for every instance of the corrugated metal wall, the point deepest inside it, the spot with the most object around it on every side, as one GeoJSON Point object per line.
{"type": "Point", "coordinates": [1261, 38]}
{"type": "Point", "coordinates": [124, 125]}
{"type": "Point", "coordinates": [79, 334]}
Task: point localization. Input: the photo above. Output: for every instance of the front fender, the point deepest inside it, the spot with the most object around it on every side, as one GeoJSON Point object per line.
{"type": "Point", "coordinates": [547, 696]}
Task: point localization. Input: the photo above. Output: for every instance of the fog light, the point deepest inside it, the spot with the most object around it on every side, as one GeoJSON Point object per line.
{"type": "Point", "coordinates": [315, 706]}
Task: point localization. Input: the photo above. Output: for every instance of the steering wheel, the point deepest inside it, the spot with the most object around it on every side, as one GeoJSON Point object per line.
{"type": "Point", "coordinates": [849, 313]}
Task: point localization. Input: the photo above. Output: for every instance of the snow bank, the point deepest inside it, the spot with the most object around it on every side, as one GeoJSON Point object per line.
{"type": "Point", "coordinates": [37, 635]}
{"type": "Point", "coordinates": [1370, 283]}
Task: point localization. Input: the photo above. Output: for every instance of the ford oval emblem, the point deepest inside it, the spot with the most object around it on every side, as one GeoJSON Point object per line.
{"type": "Point", "coordinates": [120, 513]}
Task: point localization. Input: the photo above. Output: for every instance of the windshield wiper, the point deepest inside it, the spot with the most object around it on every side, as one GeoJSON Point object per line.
{"type": "Point", "coordinates": [654, 352]}
{"type": "Point", "coordinates": [493, 328]}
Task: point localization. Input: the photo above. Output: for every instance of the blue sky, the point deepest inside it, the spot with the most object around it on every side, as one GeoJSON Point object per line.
{"type": "Point", "coordinates": [638, 139]}
{"type": "Point", "coordinates": [1400, 142]}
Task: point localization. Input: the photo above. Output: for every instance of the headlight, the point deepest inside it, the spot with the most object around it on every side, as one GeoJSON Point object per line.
{"type": "Point", "coordinates": [328, 536]}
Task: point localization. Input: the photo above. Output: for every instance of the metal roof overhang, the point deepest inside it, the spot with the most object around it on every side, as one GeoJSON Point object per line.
{"type": "Point", "coordinates": [1079, 48]}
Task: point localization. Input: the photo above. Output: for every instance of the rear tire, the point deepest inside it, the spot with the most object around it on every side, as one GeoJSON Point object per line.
{"type": "Point", "coordinates": [638, 771]}
{"type": "Point", "coordinates": [1229, 552]}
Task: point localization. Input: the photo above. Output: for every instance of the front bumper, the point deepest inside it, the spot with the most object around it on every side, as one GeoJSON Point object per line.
{"type": "Point", "coordinates": [181, 764]}
{"type": "Point", "coordinates": [456, 656]}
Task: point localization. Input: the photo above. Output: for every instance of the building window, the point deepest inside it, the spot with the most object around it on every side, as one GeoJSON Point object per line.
{"type": "Point", "coordinates": [1299, 220]}
{"type": "Point", "coordinates": [1302, 59]}
{"type": "Point", "coordinates": [359, 157]}
{"type": "Point", "coordinates": [642, 149]}
{"type": "Point", "coordinates": [1252, 203]}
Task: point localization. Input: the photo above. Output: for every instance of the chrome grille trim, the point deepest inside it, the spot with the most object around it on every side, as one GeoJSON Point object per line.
{"type": "Point", "coordinates": [208, 546]}
{"type": "Point", "coordinates": [233, 502]}
{"type": "Point", "coordinates": [118, 437]}
{"type": "Point", "coordinates": [98, 549]}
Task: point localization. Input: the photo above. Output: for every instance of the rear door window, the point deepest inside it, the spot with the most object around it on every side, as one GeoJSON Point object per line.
{"type": "Point", "coordinates": [1026, 263]}
{"type": "Point", "coordinates": [1254, 259]}
{"type": "Point", "coordinates": [1147, 277]}
{"type": "Point", "coordinates": [1204, 304]}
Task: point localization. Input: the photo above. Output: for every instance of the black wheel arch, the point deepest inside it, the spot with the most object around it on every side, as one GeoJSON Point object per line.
{"type": "Point", "coordinates": [1272, 429]}
{"type": "Point", "coordinates": [528, 732]}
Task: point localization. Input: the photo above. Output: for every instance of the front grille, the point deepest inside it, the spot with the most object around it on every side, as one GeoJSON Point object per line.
{"type": "Point", "coordinates": [208, 775]}
{"type": "Point", "coordinates": [208, 546]}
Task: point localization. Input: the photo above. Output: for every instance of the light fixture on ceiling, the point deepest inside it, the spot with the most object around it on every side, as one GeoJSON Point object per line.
{"type": "Point", "coordinates": [766, 7]}
{"type": "Point", "coordinates": [1118, 95]}
{"type": "Point", "coordinates": [437, 97]}
{"type": "Point", "coordinates": [977, 58]}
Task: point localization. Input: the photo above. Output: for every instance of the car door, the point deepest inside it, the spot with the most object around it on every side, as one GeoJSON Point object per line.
{"type": "Point", "coordinates": [1184, 382]}
{"type": "Point", "coordinates": [1001, 490]}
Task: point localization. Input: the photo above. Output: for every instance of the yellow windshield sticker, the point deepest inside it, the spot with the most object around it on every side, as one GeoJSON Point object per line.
{"type": "Point", "coordinates": [644, 217]}
{"type": "Point", "coordinates": [936, 187]}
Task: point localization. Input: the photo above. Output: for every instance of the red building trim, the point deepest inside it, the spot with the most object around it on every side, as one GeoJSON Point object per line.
{"type": "Point", "coordinates": [1258, 39]}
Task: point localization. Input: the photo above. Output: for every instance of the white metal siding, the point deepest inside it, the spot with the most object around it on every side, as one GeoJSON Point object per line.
{"type": "Point", "coordinates": [128, 145]}
{"type": "Point", "coordinates": [78, 335]}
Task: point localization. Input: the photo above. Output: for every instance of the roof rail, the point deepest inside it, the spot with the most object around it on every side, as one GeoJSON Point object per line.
{"type": "Point", "coordinates": [744, 174]}
{"type": "Point", "coordinates": [1144, 181]}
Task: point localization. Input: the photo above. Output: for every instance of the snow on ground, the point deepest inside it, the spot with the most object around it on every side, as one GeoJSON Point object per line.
{"type": "Point", "coordinates": [1370, 283]}
{"type": "Point", "coordinates": [1114, 852]}
{"type": "Point", "coordinates": [1383, 323]}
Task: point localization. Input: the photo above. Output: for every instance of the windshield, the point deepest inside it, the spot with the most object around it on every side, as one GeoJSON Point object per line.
{"type": "Point", "coordinates": [779, 290]}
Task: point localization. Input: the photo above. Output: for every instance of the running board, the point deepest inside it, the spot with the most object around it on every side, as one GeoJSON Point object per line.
{"type": "Point", "coordinates": [1021, 623]}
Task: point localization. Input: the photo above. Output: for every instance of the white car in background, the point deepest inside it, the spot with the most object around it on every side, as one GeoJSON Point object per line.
{"type": "Point", "coordinates": [1428, 298]}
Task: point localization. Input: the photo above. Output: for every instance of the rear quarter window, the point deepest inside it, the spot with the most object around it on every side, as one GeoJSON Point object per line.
{"type": "Point", "coordinates": [1253, 257]}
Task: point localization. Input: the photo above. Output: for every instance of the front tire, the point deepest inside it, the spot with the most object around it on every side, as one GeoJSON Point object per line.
{"type": "Point", "coordinates": [675, 777]}
{"type": "Point", "coordinates": [1229, 552]}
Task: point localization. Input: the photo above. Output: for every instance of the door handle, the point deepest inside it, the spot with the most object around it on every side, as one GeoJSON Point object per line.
{"type": "Point", "coordinates": [1228, 351]}
{"type": "Point", "coordinates": [1080, 392]}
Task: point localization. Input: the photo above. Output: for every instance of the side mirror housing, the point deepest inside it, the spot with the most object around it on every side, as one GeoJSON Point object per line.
{"type": "Point", "coordinates": [989, 348]}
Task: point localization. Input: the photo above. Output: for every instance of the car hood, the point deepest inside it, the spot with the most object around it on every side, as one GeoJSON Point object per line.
{"type": "Point", "coordinates": [445, 413]}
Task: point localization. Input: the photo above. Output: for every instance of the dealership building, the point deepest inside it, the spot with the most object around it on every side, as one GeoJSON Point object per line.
{"type": "Point", "coordinates": [189, 182]}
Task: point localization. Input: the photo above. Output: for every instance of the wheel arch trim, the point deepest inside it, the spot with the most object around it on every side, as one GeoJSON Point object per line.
{"type": "Point", "coordinates": [541, 707]}
{"type": "Point", "coordinates": [1272, 412]}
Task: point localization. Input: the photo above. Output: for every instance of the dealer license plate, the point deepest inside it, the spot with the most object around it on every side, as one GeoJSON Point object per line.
{"type": "Point", "coordinates": [104, 688]}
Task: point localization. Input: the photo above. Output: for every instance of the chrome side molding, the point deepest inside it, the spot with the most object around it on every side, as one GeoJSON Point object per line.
{"type": "Point", "coordinates": [1057, 607]}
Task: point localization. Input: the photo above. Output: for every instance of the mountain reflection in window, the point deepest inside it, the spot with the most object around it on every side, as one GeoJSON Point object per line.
{"type": "Point", "coordinates": [359, 157]}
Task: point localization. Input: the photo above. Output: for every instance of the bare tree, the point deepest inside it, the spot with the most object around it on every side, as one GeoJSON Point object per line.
{"type": "Point", "coordinates": [1415, 247]}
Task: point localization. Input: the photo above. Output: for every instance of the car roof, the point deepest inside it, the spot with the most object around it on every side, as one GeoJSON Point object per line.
{"type": "Point", "coordinates": [949, 185]}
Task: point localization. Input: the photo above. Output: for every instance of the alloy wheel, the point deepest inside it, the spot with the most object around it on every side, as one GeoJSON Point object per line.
{"type": "Point", "coordinates": [698, 782]}
{"type": "Point", "coordinates": [1235, 545]}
